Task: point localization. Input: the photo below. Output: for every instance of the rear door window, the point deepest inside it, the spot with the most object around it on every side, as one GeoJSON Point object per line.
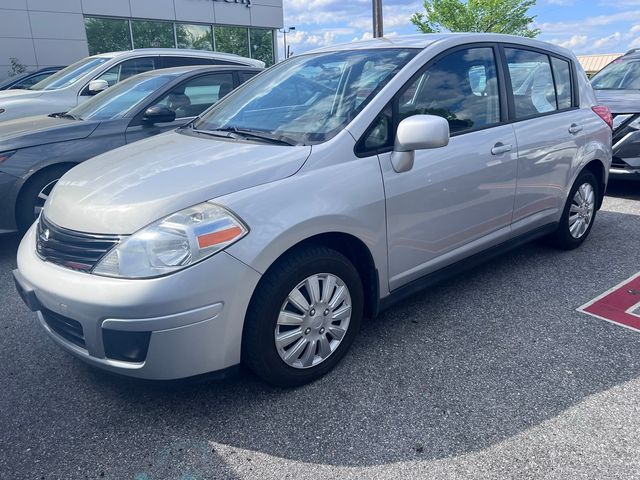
{"type": "Point", "coordinates": [562, 78]}
{"type": "Point", "coordinates": [244, 76]}
{"type": "Point", "coordinates": [168, 62]}
{"type": "Point", "coordinates": [531, 82]}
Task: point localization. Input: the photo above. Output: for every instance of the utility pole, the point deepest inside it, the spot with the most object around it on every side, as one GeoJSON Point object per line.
{"type": "Point", "coordinates": [284, 32]}
{"type": "Point", "coordinates": [377, 18]}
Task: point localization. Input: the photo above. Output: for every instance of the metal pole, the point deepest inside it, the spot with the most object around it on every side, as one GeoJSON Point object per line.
{"type": "Point", "coordinates": [285, 44]}
{"type": "Point", "coordinates": [377, 18]}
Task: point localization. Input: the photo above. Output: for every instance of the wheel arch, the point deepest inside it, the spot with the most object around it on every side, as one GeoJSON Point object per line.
{"type": "Point", "coordinates": [597, 167]}
{"type": "Point", "coordinates": [33, 176]}
{"type": "Point", "coordinates": [358, 254]}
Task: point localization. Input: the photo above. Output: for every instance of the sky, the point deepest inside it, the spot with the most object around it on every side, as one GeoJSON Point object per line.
{"type": "Point", "coordinates": [584, 26]}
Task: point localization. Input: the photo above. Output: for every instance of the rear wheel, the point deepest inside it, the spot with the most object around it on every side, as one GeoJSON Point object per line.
{"type": "Point", "coordinates": [579, 212]}
{"type": "Point", "coordinates": [34, 195]}
{"type": "Point", "coordinates": [303, 317]}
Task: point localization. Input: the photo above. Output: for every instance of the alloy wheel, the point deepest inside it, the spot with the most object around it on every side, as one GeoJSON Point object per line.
{"type": "Point", "coordinates": [581, 211]}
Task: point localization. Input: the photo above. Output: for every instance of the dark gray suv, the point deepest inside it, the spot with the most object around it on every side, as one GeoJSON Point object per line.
{"type": "Point", "coordinates": [36, 151]}
{"type": "Point", "coordinates": [618, 87]}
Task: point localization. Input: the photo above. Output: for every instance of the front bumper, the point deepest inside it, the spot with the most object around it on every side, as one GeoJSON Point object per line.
{"type": "Point", "coordinates": [192, 320]}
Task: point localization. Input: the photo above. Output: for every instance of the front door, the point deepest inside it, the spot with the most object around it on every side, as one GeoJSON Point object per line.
{"type": "Point", "coordinates": [456, 200]}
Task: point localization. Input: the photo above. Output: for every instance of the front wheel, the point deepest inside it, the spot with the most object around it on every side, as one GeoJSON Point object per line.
{"type": "Point", "coordinates": [579, 212]}
{"type": "Point", "coordinates": [303, 317]}
{"type": "Point", "coordinates": [34, 195]}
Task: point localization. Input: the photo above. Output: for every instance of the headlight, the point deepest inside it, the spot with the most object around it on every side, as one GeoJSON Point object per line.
{"type": "Point", "coordinates": [173, 243]}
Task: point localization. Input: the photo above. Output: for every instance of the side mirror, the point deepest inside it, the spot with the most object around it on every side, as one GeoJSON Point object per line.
{"type": "Point", "coordinates": [158, 114]}
{"type": "Point", "coordinates": [97, 86]}
{"type": "Point", "coordinates": [419, 132]}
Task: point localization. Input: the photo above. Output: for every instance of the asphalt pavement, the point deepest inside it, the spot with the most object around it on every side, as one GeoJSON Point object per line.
{"type": "Point", "coordinates": [491, 375]}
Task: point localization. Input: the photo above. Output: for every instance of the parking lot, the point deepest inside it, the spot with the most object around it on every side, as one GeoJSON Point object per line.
{"type": "Point", "coordinates": [491, 375]}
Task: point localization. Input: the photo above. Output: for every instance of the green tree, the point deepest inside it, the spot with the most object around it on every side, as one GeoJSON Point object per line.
{"type": "Point", "coordinates": [107, 35]}
{"type": "Point", "coordinates": [496, 16]}
{"type": "Point", "coordinates": [16, 67]}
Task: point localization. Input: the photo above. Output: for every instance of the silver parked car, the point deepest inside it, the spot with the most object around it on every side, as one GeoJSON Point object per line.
{"type": "Point", "coordinates": [319, 192]}
{"type": "Point", "coordinates": [75, 84]}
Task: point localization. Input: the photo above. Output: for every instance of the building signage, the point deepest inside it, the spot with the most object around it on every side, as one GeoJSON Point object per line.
{"type": "Point", "coordinates": [247, 3]}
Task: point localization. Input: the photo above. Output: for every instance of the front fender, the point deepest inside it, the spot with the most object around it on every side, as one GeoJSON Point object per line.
{"type": "Point", "coordinates": [341, 198]}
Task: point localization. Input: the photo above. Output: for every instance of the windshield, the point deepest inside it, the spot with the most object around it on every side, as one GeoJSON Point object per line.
{"type": "Point", "coordinates": [116, 101]}
{"type": "Point", "coordinates": [307, 99]}
{"type": "Point", "coordinates": [619, 75]}
{"type": "Point", "coordinates": [69, 75]}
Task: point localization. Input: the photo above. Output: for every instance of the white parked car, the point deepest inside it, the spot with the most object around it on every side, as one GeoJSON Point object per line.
{"type": "Point", "coordinates": [72, 85]}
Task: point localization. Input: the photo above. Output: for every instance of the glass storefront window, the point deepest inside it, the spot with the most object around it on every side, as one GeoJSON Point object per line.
{"type": "Point", "coordinates": [199, 37]}
{"type": "Point", "coordinates": [107, 35]}
{"type": "Point", "coordinates": [232, 40]}
{"type": "Point", "coordinates": [262, 45]}
{"type": "Point", "coordinates": [148, 34]}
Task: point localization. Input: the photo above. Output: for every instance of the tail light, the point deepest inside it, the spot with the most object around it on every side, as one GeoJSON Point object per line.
{"type": "Point", "coordinates": [605, 114]}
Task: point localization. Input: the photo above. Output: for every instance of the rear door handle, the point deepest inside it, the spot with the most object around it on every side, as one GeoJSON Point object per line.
{"type": "Point", "coordinates": [500, 148]}
{"type": "Point", "coordinates": [575, 128]}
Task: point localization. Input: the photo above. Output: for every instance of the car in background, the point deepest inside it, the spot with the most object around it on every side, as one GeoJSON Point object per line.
{"type": "Point", "coordinates": [78, 82]}
{"type": "Point", "coordinates": [36, 151]}
{"type": "Point", "coordinates": [27, 80]}
{"type": "Point", "coordinates": [323, 190]}
{"type": "Point", "coordinates": [618, 87]}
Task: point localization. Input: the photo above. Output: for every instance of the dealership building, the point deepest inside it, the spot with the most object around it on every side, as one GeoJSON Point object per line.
{"type": "Point", "coordinates": [39, 33]}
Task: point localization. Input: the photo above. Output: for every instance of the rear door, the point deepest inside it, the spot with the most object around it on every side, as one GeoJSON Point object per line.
{"type": "Point", "coordinates": [543, 104]}
{"type": "Point", "coordinates": [188, 99]}
{"type": "Point", "coordinates": [456, 200]}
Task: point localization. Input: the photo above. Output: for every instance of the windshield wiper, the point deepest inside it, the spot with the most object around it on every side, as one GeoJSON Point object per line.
{"type": "Point", "coordinates": [64, 115]}
{"type": "Point", "coordinates": [258, 134]}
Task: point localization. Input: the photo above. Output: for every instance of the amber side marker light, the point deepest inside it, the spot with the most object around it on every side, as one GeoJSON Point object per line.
{"type": "Point", "coordinates": [5, 155]}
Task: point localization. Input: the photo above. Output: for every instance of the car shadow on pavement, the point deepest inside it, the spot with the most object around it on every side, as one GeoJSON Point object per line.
{"type": "Point", "coordinates": [452, 370]}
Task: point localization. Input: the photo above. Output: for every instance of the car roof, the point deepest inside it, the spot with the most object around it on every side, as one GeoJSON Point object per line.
{"type": "Point", "coordinates": [424, 40]}
{"type": "Point", "coordinates": [182, 52]}
{"type": "Point", "coordinates": [177, 71]}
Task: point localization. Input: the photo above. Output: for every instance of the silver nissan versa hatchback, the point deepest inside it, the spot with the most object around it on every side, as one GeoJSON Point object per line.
{"type": "Point", "coordinates": [316, 194]}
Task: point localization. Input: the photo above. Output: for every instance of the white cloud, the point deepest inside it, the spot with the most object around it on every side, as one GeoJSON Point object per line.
{"type": "Point", "coordinates": [573, 42]}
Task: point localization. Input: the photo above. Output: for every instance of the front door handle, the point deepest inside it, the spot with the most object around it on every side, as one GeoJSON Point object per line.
{"type": "Point", "coordinates": [500, 148]}
{"type": "Point", "coordinates": [575, 128]}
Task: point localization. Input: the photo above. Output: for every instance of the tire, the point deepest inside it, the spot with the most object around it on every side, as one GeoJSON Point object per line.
{"type": "Point", "coordinates": [563, 238]}
{"type": "Point", "coordinates": [28, 198]}
{"type": "Point", "coordinates": [325, 268]}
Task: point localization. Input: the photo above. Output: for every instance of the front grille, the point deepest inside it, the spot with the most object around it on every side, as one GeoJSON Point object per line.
{"type": "Point", "coordinates": [67, 328]}
{"type": "Point", "coordinates": [68, 248]}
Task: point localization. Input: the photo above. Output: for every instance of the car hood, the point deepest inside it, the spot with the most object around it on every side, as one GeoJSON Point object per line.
{"type": "Point", "coordinates": [126, 189]}
{"type": "Point", "coordinates": [41, 130]}
{"type": "Point", "coordinates": [18, 94]}
{"type": "Point", "coordinates": [620, 101]}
